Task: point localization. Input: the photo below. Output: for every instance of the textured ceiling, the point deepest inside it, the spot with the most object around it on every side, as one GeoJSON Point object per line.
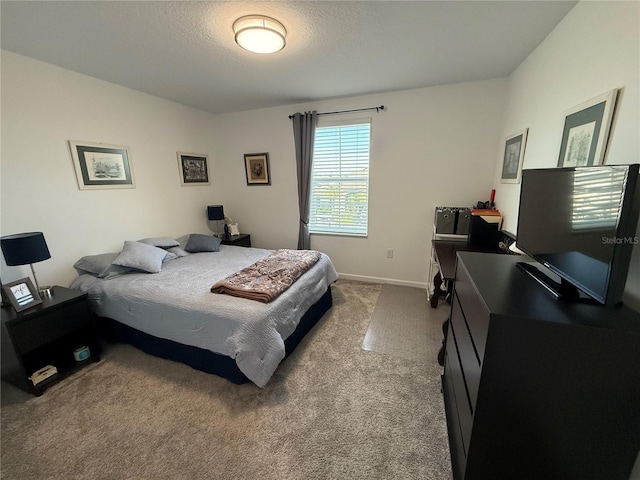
{"type": "Point", "coordinates": [185, 52]}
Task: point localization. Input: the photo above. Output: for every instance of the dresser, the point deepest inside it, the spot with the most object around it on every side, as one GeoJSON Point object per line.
{"type": "Point", "coordinates": [534, 387]}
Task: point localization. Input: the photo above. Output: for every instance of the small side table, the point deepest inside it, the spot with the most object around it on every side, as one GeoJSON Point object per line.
{"type": "Point", "coordinates": [47, 334]}
{"type": "Point", "coordinates": [242, 240]}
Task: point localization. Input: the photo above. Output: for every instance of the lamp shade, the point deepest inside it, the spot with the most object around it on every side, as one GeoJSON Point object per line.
{"type": "Point", "coordinates": [24, 248]}
{"type": "Point", "coordinates": [215, 212]}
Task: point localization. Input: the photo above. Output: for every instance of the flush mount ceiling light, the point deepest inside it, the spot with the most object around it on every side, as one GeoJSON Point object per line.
{"type": "Point", "coordinates": [259, 34]}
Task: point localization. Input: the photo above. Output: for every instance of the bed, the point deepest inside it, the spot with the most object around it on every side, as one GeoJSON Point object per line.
{"type": "Point", "coordinates": [165, 306]}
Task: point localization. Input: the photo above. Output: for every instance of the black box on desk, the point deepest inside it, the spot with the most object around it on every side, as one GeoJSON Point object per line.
{"type": "Point", "coordinates": [445, 220]}
{"type": "Point", "coordinates": [463, 221]}
{"type": "Point", "coordinates": [484, 231]}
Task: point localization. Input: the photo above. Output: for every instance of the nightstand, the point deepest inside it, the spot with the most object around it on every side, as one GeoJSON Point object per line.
{"type": "Point", "coordinates": [47, 334]}
{"type": "Point", "coordinates": [242, 240]}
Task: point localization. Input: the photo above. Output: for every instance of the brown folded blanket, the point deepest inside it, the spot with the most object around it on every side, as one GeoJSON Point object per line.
{"type": "Point", "coordinates": [267, 278]}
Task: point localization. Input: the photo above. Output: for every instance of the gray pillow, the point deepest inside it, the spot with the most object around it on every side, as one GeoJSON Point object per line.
{"type": "Point", "coordinates": [160, 242]}
{"type": "Point", "coordinates": [199, 242]}
{"type": "Point", "coordinates": [141, 257]}
{"type": "Point", "coordinates": [114, 271]}
{"type": "Point", "coordinates": [183, 240]}
{"type": "Point", "coordinates": [170, 256]}
{"type": "Point", "coordinates": [178, 251]}
{"type": "Point", "coordinates": [100, 265]}
{"type": "Point", "coordinates": [95, 264]}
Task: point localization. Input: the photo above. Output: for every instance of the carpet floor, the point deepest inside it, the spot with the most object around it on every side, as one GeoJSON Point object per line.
{"type": "Point", "coordinates": [332, 411]}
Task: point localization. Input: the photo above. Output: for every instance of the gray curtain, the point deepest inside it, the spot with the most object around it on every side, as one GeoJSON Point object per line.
{"type": "Point", "coordinates": [304, 134]}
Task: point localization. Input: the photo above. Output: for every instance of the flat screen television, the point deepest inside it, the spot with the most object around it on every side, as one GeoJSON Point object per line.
{"type": "Point", "coordinates": [580, 223]}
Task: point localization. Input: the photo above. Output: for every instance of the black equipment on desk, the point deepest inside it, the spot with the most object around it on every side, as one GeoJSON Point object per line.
{"type": "Point", "coordinates": [483, 233]}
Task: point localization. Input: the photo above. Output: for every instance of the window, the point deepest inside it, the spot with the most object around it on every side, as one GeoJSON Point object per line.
{"type": "Point", "coordinates": [597, 198]}
{"type": "Point", "coordinates": [339, 197]}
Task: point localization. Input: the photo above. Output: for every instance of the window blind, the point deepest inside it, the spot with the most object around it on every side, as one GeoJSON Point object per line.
{"type": "Point", "coordinates": [596, 198]}
{"type": "Point", "coordinates": [339, 202]}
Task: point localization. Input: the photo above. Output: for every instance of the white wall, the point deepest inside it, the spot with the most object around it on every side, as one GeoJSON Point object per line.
{"type": "Point", "coordinates": [44, 106]}
{"type": "Point", "coordinates": [594, 49]}
{"type": "Point", "coordinates": [431, 146]}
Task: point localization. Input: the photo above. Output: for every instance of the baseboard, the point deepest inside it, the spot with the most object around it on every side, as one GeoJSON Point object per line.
{"type": "Point", "coordinates": [392, 281]}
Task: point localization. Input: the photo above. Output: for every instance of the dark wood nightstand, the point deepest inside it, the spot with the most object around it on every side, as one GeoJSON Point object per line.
{"type": "Point", "coordinates": [242, 240]}
{"type": "Point", "coordinates": [47, 334]}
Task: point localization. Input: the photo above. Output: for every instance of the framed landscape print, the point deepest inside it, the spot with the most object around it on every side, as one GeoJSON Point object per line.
{"type": "Point", "coordinates": [194, 169]}
{"type": "Point", "coordinates": [257, 168]}
{"type": "Point", "coordinates": [586, 132]}
{"type": "Point", "coordinates": [100, 166]}
{"type": "Point", "coordinates": [514, 157]}
{"type": "Point", "coordinates": [22, 294]}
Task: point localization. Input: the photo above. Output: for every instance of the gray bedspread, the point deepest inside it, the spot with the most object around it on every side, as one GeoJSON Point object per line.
{"type": "Point", "coordinates": [177, 304]}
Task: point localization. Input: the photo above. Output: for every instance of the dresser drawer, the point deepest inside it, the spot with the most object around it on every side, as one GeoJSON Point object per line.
{"type": "Point", "coordinates": [468, 360]}
{"type": "Point", "coordinates": [31, 333]}
{"type": "Point", "coordinates": [456, 448]}
{"type": "Point", "coordinates": [475, 313]}
{"type": "Point", "coordinates": [456, 375]}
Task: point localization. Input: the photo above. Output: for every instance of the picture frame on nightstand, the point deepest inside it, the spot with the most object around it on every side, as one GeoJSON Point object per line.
{"type": "Point", "coordinates": [22, 294]}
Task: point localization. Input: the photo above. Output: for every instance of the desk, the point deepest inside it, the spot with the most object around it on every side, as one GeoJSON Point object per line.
{"type": "Point", "coordinates": [445, 255]}
{"type": "Point", "coordinates": [445, 252]}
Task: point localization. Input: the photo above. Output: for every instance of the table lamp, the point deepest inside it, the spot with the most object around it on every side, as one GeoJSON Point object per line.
{"type": "Point", "coordinates": [216, 212]}
{"type": "Point", "coordinates": [26, 248]}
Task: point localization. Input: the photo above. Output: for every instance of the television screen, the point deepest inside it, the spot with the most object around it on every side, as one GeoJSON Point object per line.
{"type": "Point", "coordinates": [580, 222]}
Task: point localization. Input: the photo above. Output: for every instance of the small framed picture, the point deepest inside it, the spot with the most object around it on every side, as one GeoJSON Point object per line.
{"type": "Point", "coordinates": [257, 168]}
{"type": "Point", "coordinates": [194, 169]}
{"type": "Point", "coordinates": [586, 131]}
{"type": "Point", "coordinates": [22, 294]}
{"type": "Point", "coordinates": [100, 166]}
{"type": "Point", "coordinates": [513, 157]}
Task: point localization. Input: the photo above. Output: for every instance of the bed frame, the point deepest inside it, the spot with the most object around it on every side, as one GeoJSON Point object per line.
{"type": "Point", "coordinates": [199, 358]}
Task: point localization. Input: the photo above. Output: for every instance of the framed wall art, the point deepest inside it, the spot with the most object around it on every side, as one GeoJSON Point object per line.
{"type": "Point", "coordinates": [586, 131]}
{"type": "Point", "coordinates": [22, 294]}
{"type": "Point", "coordinates": [194, 169]}
{"type": "Point", "coordinates": [514, 157]}
{"type": "Point", "coordinates": [100, 166]}
{"type": "Point", "coordinates": [257, 168]}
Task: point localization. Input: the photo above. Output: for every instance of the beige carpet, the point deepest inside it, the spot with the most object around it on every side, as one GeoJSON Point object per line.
{"type": "Point", "coordinates": [403, 324]}
{"type": "Point", "coordinates": [332, 411]}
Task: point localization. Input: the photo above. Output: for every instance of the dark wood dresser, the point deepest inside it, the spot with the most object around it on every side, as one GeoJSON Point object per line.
{"type": "Point", "coordinates": [534, 387]}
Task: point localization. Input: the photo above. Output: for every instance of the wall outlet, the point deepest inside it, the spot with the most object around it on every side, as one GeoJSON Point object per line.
{"type": "Point", "coordinates": [389, 252]}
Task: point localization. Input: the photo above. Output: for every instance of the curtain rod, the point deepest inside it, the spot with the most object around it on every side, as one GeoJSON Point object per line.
{"type": "Point", "coordinates": [377, 109]}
